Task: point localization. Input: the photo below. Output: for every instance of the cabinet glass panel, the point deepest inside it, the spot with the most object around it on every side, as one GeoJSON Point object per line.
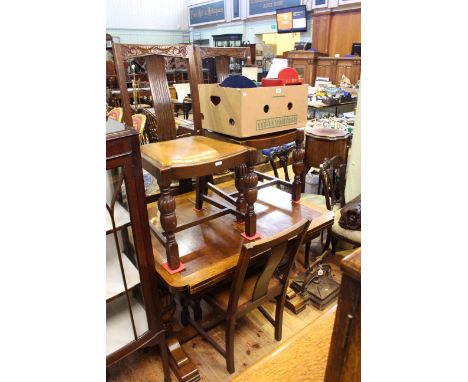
{"type": "Point", "coordinates": [125, 309]}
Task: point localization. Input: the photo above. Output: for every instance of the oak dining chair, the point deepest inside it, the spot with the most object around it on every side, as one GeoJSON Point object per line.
{"type": "Point", "coordinates": [252, 288]}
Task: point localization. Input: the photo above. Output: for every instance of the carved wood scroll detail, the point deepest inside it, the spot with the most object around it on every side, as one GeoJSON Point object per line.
{"type": "Point", "coordinates": [241, 52]}
{"type": "Point", "coordinates": [177, 50]}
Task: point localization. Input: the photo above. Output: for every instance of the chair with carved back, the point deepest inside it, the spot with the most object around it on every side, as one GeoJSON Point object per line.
{"type": "Point", "coordinates": [332, 173]}
{"type": "Point", "coordinates": [155, 63]}
{"type": "Point", "coordinates": [116, 114]}
{"type": "Point", "coordinates": [256, 282]}
{"type": "Point", "coordinates": [222, 58]}
{"type": "Point", "coordinates": [154, 56]}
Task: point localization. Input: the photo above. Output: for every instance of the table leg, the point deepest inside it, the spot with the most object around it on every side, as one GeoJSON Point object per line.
{"type": "Point", "coordinates": [183, 368]}
{"type": "Point", "coordinates": [250, 190]}
{"type": "Point", "coordinates": [239, 182]}
{"type": "Point", "coordinates": [185, 313]}
{"type": "Point", "coordinates": [167, 205]}
{"type": "Point", "coordinates": [298, 168]}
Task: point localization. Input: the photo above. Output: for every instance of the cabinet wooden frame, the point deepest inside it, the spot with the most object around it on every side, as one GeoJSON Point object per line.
{"type": "Point", "coordinates": [123, 150]}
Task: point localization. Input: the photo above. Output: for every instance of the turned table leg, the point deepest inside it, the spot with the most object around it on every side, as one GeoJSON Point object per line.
{"type": "Point", "coordinates": [298, 168]}
{"type": "Point", "coordinates": [166, 205]}
{"type": "Point", "coordinates": [241, 204]}
{"type": "Point", "coordinates": [250, 191]}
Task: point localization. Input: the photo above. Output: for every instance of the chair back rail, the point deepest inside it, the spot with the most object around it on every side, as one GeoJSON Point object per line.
{"type": "Point", "coordinates": [222, 56]}
{"type": "Point", "coordinates": [333, 177]}
{"type": "Point", "coordinates": [155, 64]}
{"type": "Point", "coordinates": [284, 245]}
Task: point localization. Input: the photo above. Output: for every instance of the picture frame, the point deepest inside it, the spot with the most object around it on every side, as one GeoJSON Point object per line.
{"type": "Point", "coordinates": [319, 4]}
{"type": "Point", "coordinates": [259, 63]}
{"type": "Point", "coordinates": [202, 10]}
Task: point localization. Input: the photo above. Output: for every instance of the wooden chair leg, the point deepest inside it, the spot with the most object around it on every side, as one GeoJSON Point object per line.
{"type": "Point", "coordinates": [279, 317]}
{"type": "Point", "coordinates": [334, 242]}
{"type": "Point", "coordinates": [284, 163]}
{"type": "Point", "coordinates": [325, 245]}
{"type": "Point", "coordinates": [306, 255]}
{"type": "Point", "coordinates": [273, 166]}
{"type": "Point", "coordinates": [197, 310]}
{"type": "Point", "coordinates": [185, 313]}
{"type": "Point", "coordinates": [230, 327]}
{"type": "Point", "coordinates": [200, 191]}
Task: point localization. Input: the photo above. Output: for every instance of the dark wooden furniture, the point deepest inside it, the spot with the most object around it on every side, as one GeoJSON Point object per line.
{"type": "Point", "coordinates": [222, 58]}
{"type": "Point", "coordinates": [333, 175]}
{"type": "Point", "coordinates": [227, 40]}
{"type": "Point", "coordinates": [335, 30]}
{"type": "Point", "coordinates": [344, 360]}
{"type": "Point", "coordinates": [324, 143]}
{"type": "Point", "coordinates": [198, 156]}
{"type": "Point", "coordinates": [133, 307]}
{"type": "Point", "coordinates": [271, 140]}
{"type": "Point", "coordinates": [211, 252]}
{"type": "Point", "coordinates": [155, 66]}
{"type": "Point", "coordinates": [334, 68]}
{"type": "Point", "coordinates": [265, 141]}
{"type": "Point", "coordinates": [310, 65]}
{"type": "Point", "coordinates": [304, 62]}
{"type": "Point", "coordinates": [248, 292]}
{"type": "Point", "coordinates": [333, 179]}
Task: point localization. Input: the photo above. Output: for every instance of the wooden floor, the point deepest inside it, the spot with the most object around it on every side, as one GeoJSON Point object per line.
{"type": "Point", "coordinates": [254, 338]}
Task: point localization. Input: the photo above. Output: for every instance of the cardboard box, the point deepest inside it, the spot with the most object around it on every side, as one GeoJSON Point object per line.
{"type": "Point", "coordinates": [253, 111]}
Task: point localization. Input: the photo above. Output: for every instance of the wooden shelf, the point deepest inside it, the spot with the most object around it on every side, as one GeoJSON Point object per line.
{"type": "Point", "coordinates": [114, 280]}
{"type": "Point", "coordinates": [119, 331]}
{"type": "Point", "coordinates": [121, 218]}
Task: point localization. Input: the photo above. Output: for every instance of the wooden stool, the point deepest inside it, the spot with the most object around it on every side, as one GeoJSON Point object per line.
{"type": "Point", "coordinates": [198, 156]}
{"type": "Point", "coordinates": [266, 141]}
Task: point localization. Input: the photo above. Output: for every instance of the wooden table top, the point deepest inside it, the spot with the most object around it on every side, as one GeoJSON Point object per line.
{"type": "Point", "coordinates": [263, 141]}
{"type": "Point", "coordinates": [351, 264]}
{"type": "Point", "coordinates": [210, 250]}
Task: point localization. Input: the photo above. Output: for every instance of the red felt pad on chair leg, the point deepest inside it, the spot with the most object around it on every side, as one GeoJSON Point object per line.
{"type": "Point", "coordinates": [256, 236]}
{"type": "Point", "coordinates": [172, 271]}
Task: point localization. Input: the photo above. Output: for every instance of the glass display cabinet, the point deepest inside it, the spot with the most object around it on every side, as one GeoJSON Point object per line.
{"type": "Point", "coordinates": [133, 309]}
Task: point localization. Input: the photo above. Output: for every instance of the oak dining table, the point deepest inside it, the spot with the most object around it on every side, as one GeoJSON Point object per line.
{"type": "Point", "coordinates": [210, 252]}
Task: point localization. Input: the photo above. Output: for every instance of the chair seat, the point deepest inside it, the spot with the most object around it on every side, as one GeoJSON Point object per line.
{"type": "Point", "coordinates": [349, 234]}
{"type": "Point", "coordinates": [278, 150]}
{"type": "Point", "coordinates": [221, 299]}
{"type": "Point", "coordinates": [190, 151]}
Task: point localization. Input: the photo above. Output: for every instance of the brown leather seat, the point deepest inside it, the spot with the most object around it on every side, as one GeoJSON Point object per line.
{"type": "Point", "coordinates": [189, 151]}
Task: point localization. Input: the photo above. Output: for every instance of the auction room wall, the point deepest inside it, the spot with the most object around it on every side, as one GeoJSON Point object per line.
{"type": "Point", "coordinates": [147, 21]}
{"type": "Point", "coordinates": [345, 29]}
